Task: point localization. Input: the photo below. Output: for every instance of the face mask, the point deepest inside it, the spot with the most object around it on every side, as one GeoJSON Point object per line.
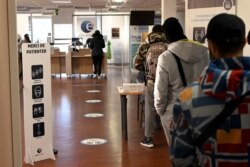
{"type": "Point", "coordinates": [210, 54]}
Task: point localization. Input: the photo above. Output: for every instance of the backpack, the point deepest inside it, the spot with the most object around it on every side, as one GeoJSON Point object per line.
{"type": "Point", "coordinates": [152, 55]}
{"type": "Point", "coordinates": [186, 143]}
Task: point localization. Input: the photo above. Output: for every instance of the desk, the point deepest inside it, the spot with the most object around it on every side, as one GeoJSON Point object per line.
{"type": "Point", "coordinates": [123, 95]}
{"type": "Point", "coordinates": [58, 64]}
{"type": "Point", "coordinates": [83, 64]}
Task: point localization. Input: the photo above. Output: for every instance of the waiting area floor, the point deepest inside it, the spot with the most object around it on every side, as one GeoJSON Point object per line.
{"type": "Point", "coordinates": [71, 126]}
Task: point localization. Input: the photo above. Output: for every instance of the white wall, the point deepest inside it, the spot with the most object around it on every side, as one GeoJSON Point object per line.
{"type": "Point", "coordinates": [181, 17]}
{"type": "Point", "coordinates": [168, 9]}
{"type": "Point", "coordinates": [242, 10]}
{"type": "Point", "coordinates": [63, 17]}
{"type": "Point", "coordinates": [119, 46]}
{"type": "Point", "coordinates": [23, 24]}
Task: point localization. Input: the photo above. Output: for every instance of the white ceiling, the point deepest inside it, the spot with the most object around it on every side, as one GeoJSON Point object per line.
{"type": "Point", "coordinates": [93, 5]}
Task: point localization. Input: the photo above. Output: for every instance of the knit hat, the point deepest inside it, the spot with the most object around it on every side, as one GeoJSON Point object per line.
{"type": "Point", "coordinates": [226, 29]}
{"type": "Point", "coordinates": [157, 28]}
{"type": "Point", "coordinates": [97, 32]}
{"type": "Point", "coordinates": [173, 30]}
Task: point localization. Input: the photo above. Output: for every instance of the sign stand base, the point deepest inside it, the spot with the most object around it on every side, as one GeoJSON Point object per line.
{"type": "Point", "coordinates": [28, 158]}
{"type": "Point", "coordinates": [48, 154]}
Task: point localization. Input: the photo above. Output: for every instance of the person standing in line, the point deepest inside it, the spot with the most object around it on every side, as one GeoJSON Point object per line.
{"type": "Point", "coordinates": [20, 42]}
{"type": "Point", "coordinates": [97, 44]}
{"type": "Point", "coordinates": [226, 78]}
{"type": "Point", "coordinates": [19, 46]}
{"type": "Point", "coordinates": [156, 45]}
{"type": "Point", "coordinates": [193, 58]}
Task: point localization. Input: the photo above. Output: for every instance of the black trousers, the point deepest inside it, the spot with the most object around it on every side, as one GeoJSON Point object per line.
{"type": "Point", "coordinates": [97, 61]}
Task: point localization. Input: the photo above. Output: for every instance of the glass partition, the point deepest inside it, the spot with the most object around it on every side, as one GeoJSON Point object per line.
{"type": "Point", "coordinates": [62, 36]}
{"type": "Point", "coordinates": [41, 28]}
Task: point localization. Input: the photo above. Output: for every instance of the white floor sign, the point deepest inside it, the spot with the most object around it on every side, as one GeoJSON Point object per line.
{"type": "Point", "coordinates": [37, 102]}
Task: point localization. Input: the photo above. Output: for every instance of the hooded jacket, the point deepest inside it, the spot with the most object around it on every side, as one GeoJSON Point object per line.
{"type": "Point", "coordinates": [97, 44]}
{"type": "Point", "coordinates": [194, 58]}
{"type": "Point", "coordinates": [140, 57]}
{"type": "Point", "coordinates": [223, 80]}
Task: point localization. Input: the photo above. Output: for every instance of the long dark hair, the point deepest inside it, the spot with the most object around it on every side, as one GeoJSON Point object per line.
{"type": "Point", "coordinates": [97, 34]}
{"type": "Point", "coordinates": [27, 38]}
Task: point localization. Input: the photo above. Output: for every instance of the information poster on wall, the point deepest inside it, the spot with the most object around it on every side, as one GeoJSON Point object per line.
{"type": "Point", "coordinates": [200, 12]}
{"type": "Point", "coordinates": [84, 27]}
{"type": "Point", "coordinates": [136, 35]}
{"type": "Point", "coordinates": [37, 102]}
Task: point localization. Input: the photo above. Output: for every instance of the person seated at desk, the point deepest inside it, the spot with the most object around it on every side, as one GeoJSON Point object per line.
{"type": "Point", "coordinates": [87, 44]}
{"type": "Point", "coordinates": [76, 42]}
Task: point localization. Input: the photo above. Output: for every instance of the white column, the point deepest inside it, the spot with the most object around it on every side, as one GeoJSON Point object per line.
{"type": "Point", "coordinates": [168, 9]}
{"type": "Point", "coordinates": [242, 11]}
{"type": "Point", "coordinates": [10, 127]}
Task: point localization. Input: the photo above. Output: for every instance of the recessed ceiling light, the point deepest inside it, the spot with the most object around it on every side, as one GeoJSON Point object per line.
{"type": "Point", "coordinates": [118, 1]}
{"type": "Point", "coordinates": [61, 1]}
{"type": "Point", "coordinates": [114, 6]}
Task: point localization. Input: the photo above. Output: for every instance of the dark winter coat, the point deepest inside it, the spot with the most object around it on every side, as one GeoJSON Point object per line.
{"type": "Point", "coordinates": [97, 44]}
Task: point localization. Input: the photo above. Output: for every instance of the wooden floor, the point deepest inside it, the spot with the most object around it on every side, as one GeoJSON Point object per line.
{"type": "Point", "coordinates": [70, 126]}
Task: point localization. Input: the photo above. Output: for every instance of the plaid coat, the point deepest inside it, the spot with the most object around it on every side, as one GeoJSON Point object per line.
{"type": "Point", "coordinates": [140, 57]}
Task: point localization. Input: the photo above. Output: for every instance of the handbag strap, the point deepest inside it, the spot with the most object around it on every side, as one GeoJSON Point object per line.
{"type": "Point", "coordinates": [218, 121]}
{"type": "Point", "coordinates": [178, 61]}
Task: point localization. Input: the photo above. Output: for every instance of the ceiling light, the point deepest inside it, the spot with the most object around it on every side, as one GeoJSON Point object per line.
{"type": "Point", "coordinates": [118, 1]}
{"type": "Point", "coordinates": [61, 1]}
{"type": "Point", "coordinates": [113, 6]}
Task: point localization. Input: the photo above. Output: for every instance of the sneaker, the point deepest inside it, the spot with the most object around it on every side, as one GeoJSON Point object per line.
{"type": "Point", "coordinates": [94, 76]}
{"type": "Point", "coordinates": [99, 77]}
{"type": "Point", "coordinates": [147, 142]}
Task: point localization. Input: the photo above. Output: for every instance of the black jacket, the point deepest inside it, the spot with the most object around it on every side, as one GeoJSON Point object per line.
{"type": "Point", "coordinates": [96, 44]}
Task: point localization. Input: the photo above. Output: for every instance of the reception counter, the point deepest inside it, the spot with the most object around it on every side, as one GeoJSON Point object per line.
{"type": "Point", "coordinates": [75, 63]}
{"type": "Point", "coordinates": [58, 63]}
{"type": "Point", "coordinates": [83, 64]}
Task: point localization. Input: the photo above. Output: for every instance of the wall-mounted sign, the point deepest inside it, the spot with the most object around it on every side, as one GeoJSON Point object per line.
{"type": "Point", "coordinates": [199, 34]}
{"type": "Point", "coordinates": [115, 32]}
{"type": "Point", "coordinates": [37, 102]}
{"type": "Point", "coordinates": [228, 4]}
{"type": "Point", "coordinates": [84, 27]}
{"type": "Point", "coordinates": [87, 26]}
{"type": "Point", "coordinates": [197, 20]}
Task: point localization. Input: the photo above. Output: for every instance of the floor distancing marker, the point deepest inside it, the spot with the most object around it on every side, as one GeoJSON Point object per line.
{"type": "Point", "coordinates": [93, 141]}
{"type": "Point", "coordinates": [93, 115]}
{"type": "Point", "coordinates": [93, 101]}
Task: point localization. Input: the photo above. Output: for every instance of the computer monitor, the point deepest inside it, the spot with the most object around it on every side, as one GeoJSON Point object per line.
{"type": "Point", "coordinates": [74, 40]}
{"type": "Point", "coordinates": [142, 17]}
